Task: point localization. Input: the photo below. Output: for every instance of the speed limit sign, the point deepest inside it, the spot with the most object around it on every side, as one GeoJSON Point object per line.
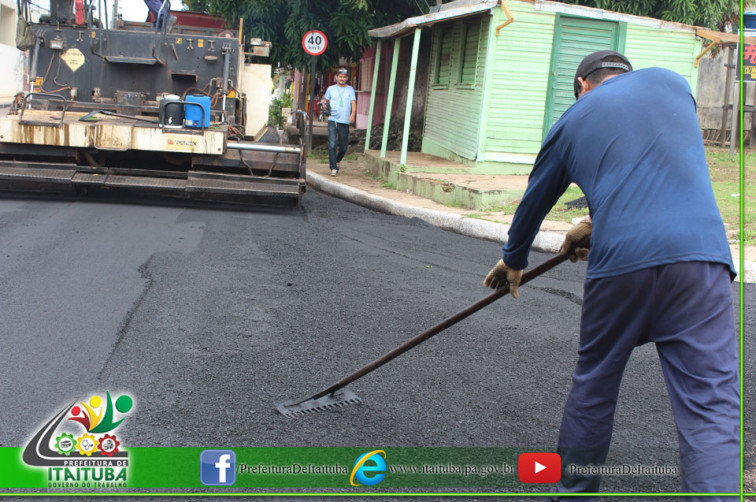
{"type": "Point", "coordinates": [314, 42]}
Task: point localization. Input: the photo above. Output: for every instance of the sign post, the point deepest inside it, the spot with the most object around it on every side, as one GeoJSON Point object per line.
{"type": "Point", "coordinates": [314, 43]}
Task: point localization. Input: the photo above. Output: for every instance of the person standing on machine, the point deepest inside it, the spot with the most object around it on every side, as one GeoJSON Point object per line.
{"type": "Point", "coordinates": [154, 8]}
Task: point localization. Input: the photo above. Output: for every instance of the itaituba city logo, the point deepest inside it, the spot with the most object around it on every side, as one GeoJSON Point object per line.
{"type": "Point", "coordinates": [87, 455]}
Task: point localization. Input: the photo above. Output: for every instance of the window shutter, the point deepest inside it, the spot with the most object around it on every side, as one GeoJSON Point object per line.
{"type": "Point", "coordinates": [444, 57]}
{"type": "Point", "coordinates": [470, 54]}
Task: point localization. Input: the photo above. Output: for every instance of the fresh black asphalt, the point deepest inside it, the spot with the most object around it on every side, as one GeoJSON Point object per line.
{"type": "Point", "coordinates": [210, 317]}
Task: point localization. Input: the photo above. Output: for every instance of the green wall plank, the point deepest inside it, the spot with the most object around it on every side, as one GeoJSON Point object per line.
{"type": "Point", "coordinates": [519, 82]}
{"type": "Point", "coordinates": [676, 50]}
{"type": "Point", "coordinates": [452, 111]}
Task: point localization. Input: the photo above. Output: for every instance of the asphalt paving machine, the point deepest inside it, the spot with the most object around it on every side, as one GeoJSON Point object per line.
{"type": "Point", "coordinates": [144, 108]}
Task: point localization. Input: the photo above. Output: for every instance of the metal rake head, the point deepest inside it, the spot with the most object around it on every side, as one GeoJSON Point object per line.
{"type": "Point", "coordinates": [333, 401]}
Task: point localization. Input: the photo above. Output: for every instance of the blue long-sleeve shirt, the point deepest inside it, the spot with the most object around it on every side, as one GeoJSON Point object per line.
{"type": "Point", "coordinates": [634, 147]}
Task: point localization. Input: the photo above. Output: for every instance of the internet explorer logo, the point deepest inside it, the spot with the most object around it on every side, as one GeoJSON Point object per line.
{"type": "Point", "coordinates": [218, 467]}
{"type": "Point", "coordinates": [369, 469]}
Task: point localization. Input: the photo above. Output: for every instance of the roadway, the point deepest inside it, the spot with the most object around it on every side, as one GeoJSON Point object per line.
{"type": "Point", "coordinates": [210, 317]}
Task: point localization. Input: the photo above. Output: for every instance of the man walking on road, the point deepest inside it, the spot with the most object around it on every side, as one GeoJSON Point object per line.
{"type": "Point", "coordinates": [343, 102]}
{"type": "Point", "coordinates": [659, 267]}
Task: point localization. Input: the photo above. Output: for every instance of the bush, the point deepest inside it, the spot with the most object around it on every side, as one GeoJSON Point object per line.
{"type": "Point", "coordinates": [275, 117]}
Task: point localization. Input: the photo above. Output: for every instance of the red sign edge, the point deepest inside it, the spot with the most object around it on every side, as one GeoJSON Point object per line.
{"type": "Point", "coordinates": [319, 33]}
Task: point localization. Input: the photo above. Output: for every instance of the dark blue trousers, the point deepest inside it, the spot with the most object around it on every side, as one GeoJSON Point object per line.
{"type": "Point", "coordinates": [686, 310]}
{"type": "Point", "coordinates": [154, 7]}
{"type": "Point", "coordinates": [338, 142]}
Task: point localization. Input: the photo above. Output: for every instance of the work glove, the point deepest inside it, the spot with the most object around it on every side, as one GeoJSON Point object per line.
{"type": "Point", "coordinates": [576, 234]}
{"type": "Point", "coordinates": [501, 275]}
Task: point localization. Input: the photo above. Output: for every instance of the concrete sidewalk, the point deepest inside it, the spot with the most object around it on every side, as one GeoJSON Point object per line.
{"type": "Point", "coordinates": [445, 194]}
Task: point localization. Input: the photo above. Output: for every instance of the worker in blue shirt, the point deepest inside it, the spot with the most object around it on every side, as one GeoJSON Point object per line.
{"type": "Point", "coordinates": [659, 265]}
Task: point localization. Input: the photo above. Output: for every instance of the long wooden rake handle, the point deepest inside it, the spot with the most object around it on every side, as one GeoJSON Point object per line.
{"type": "Point", "coordinates": [502, 291]}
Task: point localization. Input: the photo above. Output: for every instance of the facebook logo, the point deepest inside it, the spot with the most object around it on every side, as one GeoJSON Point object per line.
{"type": "Point", "coordinates": [218, 467]}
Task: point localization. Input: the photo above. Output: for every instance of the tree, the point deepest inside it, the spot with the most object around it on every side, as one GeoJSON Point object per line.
{"type": "Point", "coordinates": [346, 22]}
{"type": "Point", "coordinates": [284, 22]}
{"type": "Point", "coordinates": [714, 14]}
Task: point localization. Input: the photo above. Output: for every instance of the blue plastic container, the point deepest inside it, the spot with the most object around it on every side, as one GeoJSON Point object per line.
{"type": "Point", "coordinates": [193, 114]}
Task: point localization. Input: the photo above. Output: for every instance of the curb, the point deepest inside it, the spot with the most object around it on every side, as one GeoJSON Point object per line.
{"type": "Point", "coordinates": [548, 242]}
{"type": "Point", "coordinates": [749, 271]}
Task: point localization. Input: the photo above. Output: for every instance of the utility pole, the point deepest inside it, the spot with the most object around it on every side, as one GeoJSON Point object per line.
{"type": "Point", "coordinates": [114, 22]}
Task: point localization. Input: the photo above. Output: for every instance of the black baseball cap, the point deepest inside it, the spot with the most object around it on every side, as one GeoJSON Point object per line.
{"type": "Point", "coordinates": [595, 61]}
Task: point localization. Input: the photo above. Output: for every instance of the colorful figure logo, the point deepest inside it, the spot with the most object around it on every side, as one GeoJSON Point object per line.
{"type": "Point", "coordinates": [50, 447]}
{"type": "Point", "coordinates": [369, 469]}
{"type": "Point", "coordinates": [96, 420]}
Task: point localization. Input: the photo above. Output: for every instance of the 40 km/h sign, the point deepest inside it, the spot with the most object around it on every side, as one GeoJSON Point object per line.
{"type": "Point", "coordinates": [314, 42]}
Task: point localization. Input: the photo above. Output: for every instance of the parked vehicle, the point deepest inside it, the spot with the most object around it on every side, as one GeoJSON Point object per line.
{"type": "Point", "coordinates": [158, 110]}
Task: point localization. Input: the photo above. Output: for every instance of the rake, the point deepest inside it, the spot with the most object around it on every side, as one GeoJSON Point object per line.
{"type": "Point", "coordinates": [336, 396]}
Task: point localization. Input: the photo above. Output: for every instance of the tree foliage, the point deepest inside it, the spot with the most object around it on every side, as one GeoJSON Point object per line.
{"type": "Point", "coordinates": [284, 22]}
{"type": "Point", "coordinates": [346, 22]}
{"type": "Point", "coordinates": [708, 13]}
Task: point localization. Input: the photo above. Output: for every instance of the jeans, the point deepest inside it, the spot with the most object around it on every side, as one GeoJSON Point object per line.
{"type": "Point", "coordinates": [686, 310]}
{"type": "Point", "coordinates": [338, 141]}
{"type": "Point", "coordinates": [154, 7]}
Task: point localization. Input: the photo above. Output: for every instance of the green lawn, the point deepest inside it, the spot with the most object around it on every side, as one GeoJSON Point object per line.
{"type": "Point", "coordinates": [725, 179]}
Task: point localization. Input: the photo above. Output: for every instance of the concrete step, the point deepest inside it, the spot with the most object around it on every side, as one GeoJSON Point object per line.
{"type": "Point", "coordinates": [445, 181]}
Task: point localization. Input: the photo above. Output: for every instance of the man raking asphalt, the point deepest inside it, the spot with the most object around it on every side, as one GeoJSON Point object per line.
{"type": "Point", "coordinates": [659, 266]}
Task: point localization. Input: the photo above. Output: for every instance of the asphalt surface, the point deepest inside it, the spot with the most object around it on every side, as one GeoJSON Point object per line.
{"type": "Point", "coordinates": [209, 318]}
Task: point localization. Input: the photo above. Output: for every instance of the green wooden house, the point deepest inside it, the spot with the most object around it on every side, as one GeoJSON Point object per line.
{"type": "Point", "coordinates": [501, 71]}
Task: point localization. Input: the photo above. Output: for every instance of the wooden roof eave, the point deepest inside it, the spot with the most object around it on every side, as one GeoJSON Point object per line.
{"type": "Point", "coordinates": [719, 38]}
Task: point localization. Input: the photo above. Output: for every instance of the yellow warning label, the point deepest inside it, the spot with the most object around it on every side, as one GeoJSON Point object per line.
{"type": "Point", "coordinates": [200, 43]}
{"type": "Point", "coordinates": [179, 40]}
{"type": "Point", "coordinates": [73, 58]}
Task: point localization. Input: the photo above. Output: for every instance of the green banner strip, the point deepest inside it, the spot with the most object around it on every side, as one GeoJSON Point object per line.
{"type": "Point", "coordinates": [348, 470]}
{"type": "Point", "coordinates": [462, 468]}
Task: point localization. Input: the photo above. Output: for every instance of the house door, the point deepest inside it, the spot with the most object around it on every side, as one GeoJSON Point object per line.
{"type": "Point", "coordinates": [574, 38]}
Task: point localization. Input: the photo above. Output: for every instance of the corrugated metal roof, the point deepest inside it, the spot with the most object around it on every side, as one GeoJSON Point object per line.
{"type": "Point", "coordinates": [453, 10]}
{"type": "Point", "coordinates": [464, 8]}
{"type": "Point", "coordinates": [579, 10]}
{"type": "Point", "coordinates": [591, 12]}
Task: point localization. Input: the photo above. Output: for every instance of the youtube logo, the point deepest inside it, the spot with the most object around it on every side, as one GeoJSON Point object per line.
{"type": "Point", "coordinates": [539, 467]}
